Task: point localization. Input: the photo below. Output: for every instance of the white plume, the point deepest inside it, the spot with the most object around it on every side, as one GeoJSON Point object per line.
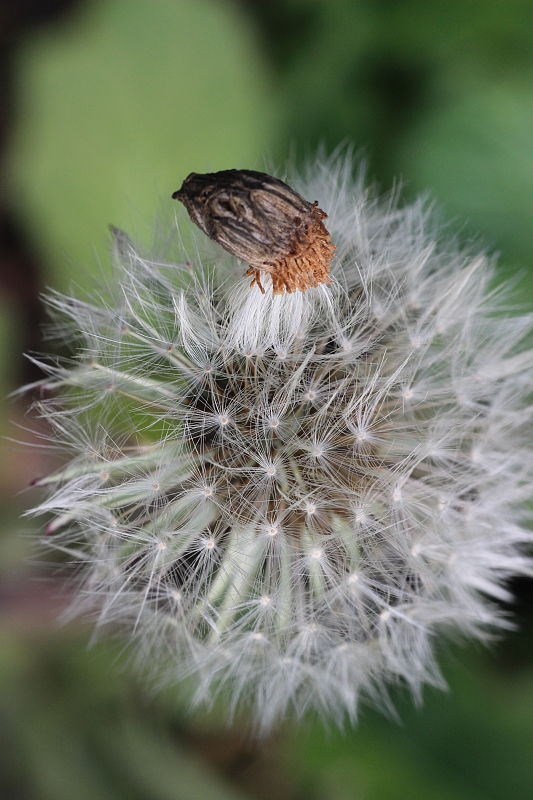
{"type": "Point", "coordinates": [293, 498]}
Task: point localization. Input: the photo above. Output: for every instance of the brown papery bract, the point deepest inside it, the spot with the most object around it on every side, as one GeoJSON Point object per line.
{"type": "Point", "coordinates": [262, 220]}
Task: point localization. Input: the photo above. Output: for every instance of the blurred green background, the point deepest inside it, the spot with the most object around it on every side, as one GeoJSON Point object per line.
{"type": "Point", "coordinates": [105, 106]}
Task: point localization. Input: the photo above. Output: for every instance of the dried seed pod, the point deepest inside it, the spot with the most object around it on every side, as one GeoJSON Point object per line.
{"type": "Point", "coordinates": [263, 221]}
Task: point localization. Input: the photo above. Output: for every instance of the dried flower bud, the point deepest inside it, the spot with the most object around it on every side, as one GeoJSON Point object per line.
{"type": "Point", "coordinates": [263, 221]}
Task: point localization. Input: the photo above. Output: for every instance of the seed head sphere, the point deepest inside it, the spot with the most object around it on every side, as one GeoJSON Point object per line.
{"type": "Point", "coordinates": [292, 497]}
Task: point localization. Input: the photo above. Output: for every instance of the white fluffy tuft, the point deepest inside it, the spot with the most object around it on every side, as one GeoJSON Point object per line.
{"type": "Point", "coordinates": [292, 498]}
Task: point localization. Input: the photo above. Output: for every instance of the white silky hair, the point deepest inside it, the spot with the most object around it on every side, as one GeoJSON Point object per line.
{"type": "Point", "coordinates": [290, 498]}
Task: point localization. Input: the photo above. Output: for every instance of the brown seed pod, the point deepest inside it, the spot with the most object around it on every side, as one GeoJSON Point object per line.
{"type": "Point", "coordinates": [263, 221]}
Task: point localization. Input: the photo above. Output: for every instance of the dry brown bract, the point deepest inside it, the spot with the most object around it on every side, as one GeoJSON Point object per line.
{"type": "Point", "coordinates": [263, 221]}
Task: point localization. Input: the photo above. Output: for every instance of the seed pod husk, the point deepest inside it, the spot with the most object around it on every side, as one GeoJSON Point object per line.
{"type": "Point", "coordinates": [263, 221]}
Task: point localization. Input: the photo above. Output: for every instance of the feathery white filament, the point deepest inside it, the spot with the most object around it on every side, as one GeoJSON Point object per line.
{"type": "Point", "coordinates": [292, 497]}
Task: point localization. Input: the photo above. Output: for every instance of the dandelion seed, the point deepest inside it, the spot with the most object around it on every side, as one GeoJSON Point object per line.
{"type": "Point", "coordinates": [360, 515]}
{"type": "Point", "coordinates": [250, 489]}
{"type": "Point", "coordinates": [345, 345]}
{"type": "Point", "coordinates": [397, 495]}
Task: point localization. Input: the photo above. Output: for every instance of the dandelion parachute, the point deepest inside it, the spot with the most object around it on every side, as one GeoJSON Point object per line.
{"type": "Point", "coordinates": [290, 499]}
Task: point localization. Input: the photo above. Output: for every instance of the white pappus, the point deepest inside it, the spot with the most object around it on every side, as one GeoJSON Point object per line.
{"type": "Point", "coordinates": [290, 499]}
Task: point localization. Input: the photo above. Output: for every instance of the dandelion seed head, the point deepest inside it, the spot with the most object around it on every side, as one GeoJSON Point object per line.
{"type": "Point", "coordinates": [290, 497]}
